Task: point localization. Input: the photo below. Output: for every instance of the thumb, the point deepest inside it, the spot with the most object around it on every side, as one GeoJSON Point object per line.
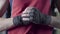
{"type": "Point", "coordinates": [57, 12]}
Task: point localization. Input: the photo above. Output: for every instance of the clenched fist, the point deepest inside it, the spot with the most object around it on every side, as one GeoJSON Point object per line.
{"type": "Point", "coordinates": [31, 15]}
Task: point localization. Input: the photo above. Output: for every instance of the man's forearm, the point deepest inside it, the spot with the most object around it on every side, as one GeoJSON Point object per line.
{"type": "Point", "coordinates": [6, 23]}
{"type": "Point", "coordinates": [55, 22]}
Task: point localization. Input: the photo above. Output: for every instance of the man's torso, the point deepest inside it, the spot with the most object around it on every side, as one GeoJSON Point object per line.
{"type": "Point", "coordinates": [19, 6]}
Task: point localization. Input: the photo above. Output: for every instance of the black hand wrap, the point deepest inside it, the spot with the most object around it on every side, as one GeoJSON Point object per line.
{"type": "Point", "coordinates": [45, 19]}
{"type": "Point", "coordinates": [40, 18]}
{"type": "Point", "coordinates": [17, 21]}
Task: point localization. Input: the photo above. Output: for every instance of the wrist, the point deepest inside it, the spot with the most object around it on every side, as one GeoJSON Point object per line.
{"type": "Point", "coordinates": [46, 20]}
{"type": "Point", "coordinates": [17, 21]}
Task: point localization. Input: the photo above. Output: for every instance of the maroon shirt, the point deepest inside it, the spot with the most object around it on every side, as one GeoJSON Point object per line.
{"type": "Point", "coordinates": [20, 5]}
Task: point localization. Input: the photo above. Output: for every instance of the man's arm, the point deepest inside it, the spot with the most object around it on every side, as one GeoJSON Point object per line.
{"type": "Point", "coordinates": [55, 22]}
{"type": "Point", "coordinates": [33, 15]}
{"type": "Point", "coordinates": [3, 6]}
{"type": "Point", "coordinates": [6, 23]}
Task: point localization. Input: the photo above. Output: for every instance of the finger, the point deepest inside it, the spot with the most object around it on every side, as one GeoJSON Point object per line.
{"type": "Point", "coordinates": [56, 11]}
{"type": "Point", "coordinates": [26, 19]}
{"type": "Point", "coordinates": [23, 15]}
{"type": "Point", "coordinates": [30, 14]}
{"type": "Point", "coordinates": [28, 10]}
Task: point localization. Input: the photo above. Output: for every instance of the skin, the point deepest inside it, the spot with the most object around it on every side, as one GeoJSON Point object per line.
{"type": "Point", "coordinates": [3, 6]}
{"type": "Point", "coordinates": [55, 21]}
{"type": "Point", "coordinates": [3, 24]}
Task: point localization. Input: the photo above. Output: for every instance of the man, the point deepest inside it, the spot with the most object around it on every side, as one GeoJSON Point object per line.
{"type": "Point", "coordinates": [27, 19]}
